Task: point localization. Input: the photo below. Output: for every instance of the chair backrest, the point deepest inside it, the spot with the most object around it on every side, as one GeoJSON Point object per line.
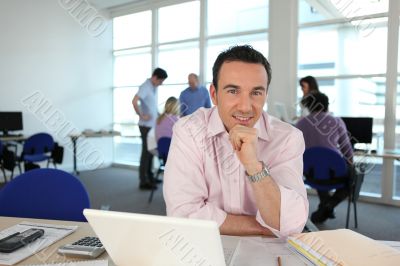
{"type": "Point", "coordinates": [323, 163]}
{"type": "Point", "coordinates": [1, 149]}
{"type": "Point", "coordinates": [44, 194]}
{"type": "Point", "coordinates": [38, 144]}
{"type": "Point", "coordinates": [163, 147]}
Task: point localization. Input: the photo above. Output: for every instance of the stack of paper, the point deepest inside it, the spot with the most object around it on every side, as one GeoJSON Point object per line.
{"type": "Point", "coordinates": [343, 247]}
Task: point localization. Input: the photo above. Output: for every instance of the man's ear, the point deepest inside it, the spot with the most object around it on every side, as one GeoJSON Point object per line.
{"type": "Point", "coordinates": [213, 94]}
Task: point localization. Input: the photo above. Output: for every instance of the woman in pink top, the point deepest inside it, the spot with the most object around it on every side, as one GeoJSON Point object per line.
{"type": "Point", "coordinates": [167, 119]}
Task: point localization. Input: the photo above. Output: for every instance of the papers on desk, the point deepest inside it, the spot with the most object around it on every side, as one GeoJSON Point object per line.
{"type": "Point", "coordinates": [52, 233]}
{"type": "Point", "coordinates": [78, 263]}
{"type": "Point", "coordinates": [259, 251]}
{"type": "Point", "coordinates": [343, 247]}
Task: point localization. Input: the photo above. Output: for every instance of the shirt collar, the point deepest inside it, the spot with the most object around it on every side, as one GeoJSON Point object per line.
{"type": "Point", "coordinates": [216, 126]}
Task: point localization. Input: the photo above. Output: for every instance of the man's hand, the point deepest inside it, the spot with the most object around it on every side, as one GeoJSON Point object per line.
{"type": "Point", "coordinates": [244, 142]}
{"type": "Point", "coordinates": [145, 117]}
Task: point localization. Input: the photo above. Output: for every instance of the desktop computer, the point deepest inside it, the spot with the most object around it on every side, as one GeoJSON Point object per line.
{"type": "Point", "coordinates": [10, 121]}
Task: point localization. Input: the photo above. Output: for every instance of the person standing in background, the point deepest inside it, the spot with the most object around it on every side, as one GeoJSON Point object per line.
{"type": "Point", "coordinates": [194, 97]}
{"type": "Point", "coordinates": [147, 112]}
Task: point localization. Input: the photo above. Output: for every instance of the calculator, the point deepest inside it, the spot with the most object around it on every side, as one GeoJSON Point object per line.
{"type": "Point", "coordinates": [88, 247]}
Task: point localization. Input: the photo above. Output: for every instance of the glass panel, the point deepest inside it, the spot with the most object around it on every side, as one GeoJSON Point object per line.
{"type": "Point", "coordinates": [132, 30]}
{"type": "Point", "coordinates": [342, 49]}
{"type": "Point", "coordinates": [127, 150]}
{"type": "Point", "coordinates": [185, 26]}
{"type": "Point", "coordinates": [228, 16]}
{"type": "Point", "coordinates": [123, 109]}
{"type": "Point", "coordinates": [334, 9]}
{"type": "Point", "coordinates": [216, 46]}
{"type": "Point", "coordinates": [397, 146]}
{"type": "Point", "coordinates": [166, 91]}
{"type": "Point", "coordinates": [179, 60]}
{"type": "Point", "coordinates": [132, 69]}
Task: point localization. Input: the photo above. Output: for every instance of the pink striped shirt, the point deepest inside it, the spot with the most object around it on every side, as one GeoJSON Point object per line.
{"type": "Point", "coordinates": [205, 180]}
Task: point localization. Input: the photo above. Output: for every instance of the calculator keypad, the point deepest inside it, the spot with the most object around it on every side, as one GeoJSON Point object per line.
{"type": "Point", "coordinates": [89, 242]}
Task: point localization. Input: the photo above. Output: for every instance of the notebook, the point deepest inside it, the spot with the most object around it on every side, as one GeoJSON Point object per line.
{"type": "Point", "coordinates": [343, 247]}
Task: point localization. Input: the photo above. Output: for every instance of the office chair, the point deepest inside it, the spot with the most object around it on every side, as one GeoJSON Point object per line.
{"type": "Point", "coordinates": [1, 162]}
{"type": "Point", "coordinates": [37, 148]}
{"type": "Point", "coordinates": [162, 148]}
{"type": "Point", "coordinates": [325, 169]}
{"type": "Point", "coordinates": [44, 194]}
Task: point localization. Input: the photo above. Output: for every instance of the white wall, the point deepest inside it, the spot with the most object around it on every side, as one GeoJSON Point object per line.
{"type": "Point", "coordinates": [47, 55]}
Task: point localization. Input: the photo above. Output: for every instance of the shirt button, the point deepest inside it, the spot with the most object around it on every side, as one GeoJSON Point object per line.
{"type": "Point", "coordinates": [235, 181]}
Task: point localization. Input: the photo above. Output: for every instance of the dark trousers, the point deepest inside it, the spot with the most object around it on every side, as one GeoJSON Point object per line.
{"type": "Point", "coordinates": [146, 158]}
{"type": "Point", "coordinates": [331, 201]}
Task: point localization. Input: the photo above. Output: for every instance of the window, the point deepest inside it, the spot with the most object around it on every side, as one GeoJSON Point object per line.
{"type": "Point", "coordinates": [132, 30]}
{"type": "Point", "coordinates": [179, 22]}
{"type": "Point", "coordinates": [230, 16]}
{"type": "Point", "coordinates": [131, 69]}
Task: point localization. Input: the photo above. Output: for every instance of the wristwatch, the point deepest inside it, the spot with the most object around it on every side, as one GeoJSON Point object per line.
{"type": "Point", "coordinates": [260, 175]}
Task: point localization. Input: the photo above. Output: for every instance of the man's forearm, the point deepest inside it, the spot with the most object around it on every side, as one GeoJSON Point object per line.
{"type": "Point", "coordinates": [242, 225]}
{"type": "Point", "coordinates": [268, 199]}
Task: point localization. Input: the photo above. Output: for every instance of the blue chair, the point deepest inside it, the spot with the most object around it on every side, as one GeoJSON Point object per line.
{"type": "Point", "coordinates": [1, 162]}
{"type": "Point", "coordinates": [44, 194]}
{"type": "Point", "coordinates": [325, 169]}
{"type": "Point", "coordinates": [163, 149]}
{"type": "Point", "coordinates": [38, 148]}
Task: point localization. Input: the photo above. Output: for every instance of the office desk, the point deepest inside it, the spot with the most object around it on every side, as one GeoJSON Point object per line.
{"type": "Point", "coordinates": [13, 138]}
{"type": "Point", "coordinates": [251, 251]}
{"type": "Point", "coordinates": [75, 137]}
{"type": "Point", "coordinates": [385, 154]}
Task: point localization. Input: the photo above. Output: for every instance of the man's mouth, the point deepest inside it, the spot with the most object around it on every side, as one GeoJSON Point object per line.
{"type": "Point", "coordinates": [243, 120]}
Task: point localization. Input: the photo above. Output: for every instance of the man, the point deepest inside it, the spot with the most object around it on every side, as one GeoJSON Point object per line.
{"type": "Point", "coordinates": [321, 129]}
{"type": "Point", "coordinates": [147, 112]}
{"type": "Point", "coordinates": [234, 163]}
{"type": "Point", "coordinates": [193, 97]}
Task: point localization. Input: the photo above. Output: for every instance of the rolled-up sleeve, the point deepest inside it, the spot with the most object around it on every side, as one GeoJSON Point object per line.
{"type": "Point", "coordinates": [185, 188]}
{"type": "Point", "coordinates": [287, 172]}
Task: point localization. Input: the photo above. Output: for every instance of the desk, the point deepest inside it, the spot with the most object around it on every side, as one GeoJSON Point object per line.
{"type": "Point", "coordinates": [385, 154]}
{"type": "Point", "coordinates": [252, 251]}
{"type": "Point", "coordinates": [75, 137]}
{"type": "Point", "coordinates": [13, 138]}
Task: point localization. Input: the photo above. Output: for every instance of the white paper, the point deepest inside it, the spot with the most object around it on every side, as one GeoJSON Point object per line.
{"type": "Point", "coordinates": [259, 251]}
{"type": "Point", "coordinates": [230, 244]}
{"type": "Point", "coordinates": [78, 263]}
{"type": "Point", "coordinates": [52, 233]}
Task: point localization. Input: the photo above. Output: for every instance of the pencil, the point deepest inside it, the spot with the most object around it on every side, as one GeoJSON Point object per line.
{"type": "Point", "coordinates": [279, 261]}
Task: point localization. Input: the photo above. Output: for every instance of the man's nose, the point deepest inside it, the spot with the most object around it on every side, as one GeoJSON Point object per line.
{"type": "Point", "coordinates": [245, 103]}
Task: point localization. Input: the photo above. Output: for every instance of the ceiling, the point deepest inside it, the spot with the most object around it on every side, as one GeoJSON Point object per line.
{"type": "Point", "coordinates": [105, 4]}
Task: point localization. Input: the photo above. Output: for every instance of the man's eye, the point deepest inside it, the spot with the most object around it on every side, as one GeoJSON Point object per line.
{"type": "Point", "coordinates": [233, 91]}
{"type": "Point", "coordinates": [257, 93]}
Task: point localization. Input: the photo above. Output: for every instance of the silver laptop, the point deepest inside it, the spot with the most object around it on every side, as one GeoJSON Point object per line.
{"type": "Point", "coordinates": [139, 239]}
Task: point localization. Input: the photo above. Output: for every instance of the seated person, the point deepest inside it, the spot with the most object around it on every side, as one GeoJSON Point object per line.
{"type": "Point", "coordinates": [233, 163]}
{"type": "Point", "coordinates": [167, 119]}
{"type": "Point", "coordinates": [322, 129]}
{"type": "Point", "coordinates": [309, 86]}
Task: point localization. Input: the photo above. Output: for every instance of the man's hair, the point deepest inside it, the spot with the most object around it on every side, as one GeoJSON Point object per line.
{"type": "Point", "coordinates": [312, 83]}
{"type": "Point", "coordinates": [242, 53]}
{"type": "Point", "coordinates": [317, 102]}
{"type": "Point", "coordinates": [160, 73]}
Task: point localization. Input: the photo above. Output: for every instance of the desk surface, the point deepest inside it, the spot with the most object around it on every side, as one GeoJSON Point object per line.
{"type": "Point", "coordinates": [386, 154]}
{"type": "Point", "coordinates": [263, 251]}
{"type": "Point", "coordinates": [95, 134]}
{"type": "Point", "coordinates": [51, 251]}
{"type": "Point", "coordinates": [13, 138]}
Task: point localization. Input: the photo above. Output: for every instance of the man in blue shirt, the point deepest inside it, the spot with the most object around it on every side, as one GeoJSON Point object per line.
{"type": "Point", "coordinates": [147, 112]}
{"type": "Point", "coordinates": [194, 97]}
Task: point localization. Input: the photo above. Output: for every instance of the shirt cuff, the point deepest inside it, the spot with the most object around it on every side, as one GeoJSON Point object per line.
{"type": "Point", "coordinates": [210, 212]}
{"type": "Point", "coordinates": [294, 213]}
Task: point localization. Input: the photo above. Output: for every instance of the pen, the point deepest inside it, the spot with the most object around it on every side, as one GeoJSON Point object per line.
{"type": "Point", "coordinates": [279, 261]}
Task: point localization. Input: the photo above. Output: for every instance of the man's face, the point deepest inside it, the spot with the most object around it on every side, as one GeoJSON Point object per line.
{"type": "Point", "coordinates": [192, 81]}
{"type": "Point", "coordinates": [241, 95]}
{"type": "Point", "coordinates": [158, 82]}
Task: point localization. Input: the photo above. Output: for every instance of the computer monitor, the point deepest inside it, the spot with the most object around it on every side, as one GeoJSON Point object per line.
{"type": "Point", "coordinates": [10, 121]}
{"type": "Point", "coordinates": [359, 129]}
